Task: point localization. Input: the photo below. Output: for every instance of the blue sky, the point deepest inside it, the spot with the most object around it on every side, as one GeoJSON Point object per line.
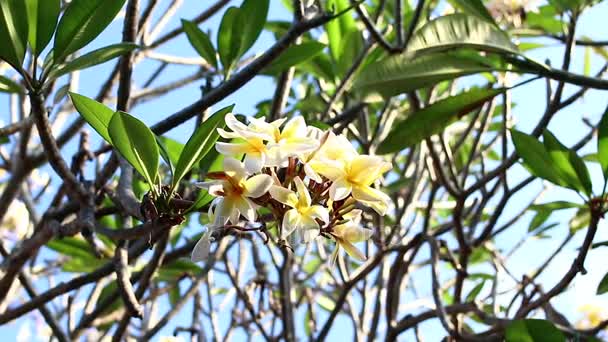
{"type": "Point", "coordinates": [530, 104]}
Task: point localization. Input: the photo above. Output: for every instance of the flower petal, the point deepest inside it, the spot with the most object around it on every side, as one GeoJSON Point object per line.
{"type": "Point", "coordinates": [367, 169]}
{"type": "Point", "coordinates": [284, 195]}
{"type": "Point", "coordinates": [232, 149]}
{"type": "Point", "coordinates": [340, 189]}
{"type": "Point", "coordinates": [291, 221]}
{"type": "Point", "coordinates": [372, 197]}
{"type": "Point", "coordinates": [234, 168]}
{"type": "Point", "coordinates": [296, 127]}
{"type": "Point", "coordinates": [319, 212]}
{"type": "Point", "coordinates": [328, 168]}
{"type": "Point", "coordinates": [221, 212]}
{"type": "Point", "coordinates": [254, 162]}
{"type": "Point", "coordinates": [352, 250]}
{"type": "Point", "coordinates": [310, 173]}
{"type": "Point", "coordinates": [200, 252]}
{"type": "Point", "coordinates": [227, 135]}
{"type": "Point", "coordinates": [246, 208]}
{"type": "Point", "coordinates": [356, 233]}
{"type": "Point", "coordinates": [257, 185]}
{"type": "Point", "coordinates": [303, 195]}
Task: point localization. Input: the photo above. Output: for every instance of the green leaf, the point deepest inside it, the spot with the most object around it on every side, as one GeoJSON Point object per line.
{"type": "Point", "coordinates": [339, 27]}
{"type": "Point", "coordinates": [200, 42]}
{"type": "Point", "coordinates": [351, 47]}
{"type": "Point", "coordinates": [557, 205]}
{"type": "Point", "coordinates": [460, 31]}
{"type": "Point", "coordinates": [535, 157]}
{"type": "Point", "coordinates": [79, 265]}
{"type": "Point", "coordinates": [326, 303]}
{"type": "Point", "coordinates": [433, 119]}
{"type": "Point", "coordinates": [400, 74]}
{"type": "Point", "coordinates": [603, 286]}
{"type": "Point", "coordinates": [474, 7]}
{"type": "Point", "coordinates": [93, 58]}
{"type": "Point", "coordinates": [95, 113]}
{"type": "Point", "coordinates": [602, 144]}
{"type": "Point", "coordinates": [13, 31]}
{"type": "Point", "coordinates": [136, 143]}
{"type": "Point", "coordinates": [169, 150]}
{"type": "Point", "coordinates": [177, 269]}
{"type": "Point", "coordinates": [110, 289]}
{"type": "Point", "coordinates": [42, 18]}
{"type": "Point", "coordinates": [293, 56]}
{"type": "Point", "coordinates": [475, 291]}
{"type": "Point", "coordinates": [73, 247]}
{"type": "Point", "coordinates": [200, 143]}
{"type": "Point", "coordinates": [254, 14]}
{"type": "Point", "coordinates": [580, 220]}
{"type": "Point", "coordinates": [571, 167]}
{"type": "Point", "coordinates": [538, 219]}
{"type": "Point", "coordinates": [83, 21]}
{"type": "Point", "coordinates": [174, 295]}
{"type": "Point", "coordinates": [533, 330]}
{"type": "Point", "coordinates": [230, 38]}
{"type": "Point", "coordinates": [9, 86]}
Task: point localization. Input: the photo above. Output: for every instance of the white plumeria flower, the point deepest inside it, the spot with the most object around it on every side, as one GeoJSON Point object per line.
{"type": "Point", "coordinates": [348, 233]}
{"type": "Point", "coordinates": [17, 220]}
{"type": "Point", "coordinates": [252, 143]}
{"type": "Point", "coordinates": [303, 214]}
{"type": "Point", "coordinates": [200, 252]}
{"type": "Point", "coordinates": [356, 177]}
{"type": "Point", "coordinates": [265, 144]}
{"type": "Point", "coordinates": [234, 192]}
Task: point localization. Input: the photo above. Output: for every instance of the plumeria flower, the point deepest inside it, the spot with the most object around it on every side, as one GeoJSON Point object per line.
{"type": "Point", "coordinates": [251, 142]}
{"type": "Point", "coordinates": [348, 233]}
{"type": "Point", "coordinates": [291, 141]}
{"type": "Point", "coordinates": [266, 144]}
{"type": "Point", "coordinates": [234, 192]}
{"type": "Point", "coordinates": [200, 252]}
{"type": "Point", "coordinates": [303, 215]}
{"type": "Point", "coordinates": [336, 150]}
{"type": "Point", "coordinates": [356, 177]}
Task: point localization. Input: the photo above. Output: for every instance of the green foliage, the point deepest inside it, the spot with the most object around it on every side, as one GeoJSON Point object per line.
{"type": "Point", "coordinates": [293, 56]}
{"type": "Point", "coordinates": [96, 114]}
{"type": "Point", "coordinates": [136, 143]}
{"type": "Point", "coordinates": [9, 86]}
{"type": "Point", "coordinates": [602, 144]}
{"type": "Point", "coordinates": [42, 18]}
{"type": "Point", "coordinates": [254, 14]}
{"type": "Point", "coordinates": [553, 161]}
{"type": "Point", "coordinates": [603, 285]}
{"type": "Point", "coordinates": [200, 42]}
{"type": "Point", "coordinates": [400, 74]}
{"type": "Point", "coordinates": [571, 167]}
{"type": "Point", "coordinates": [230, 37]}
{"type": "Point", "coordinates": [200, 143]}
{"type": "Point", "coordinates": [535, 157]}
{"type": "Point", "coordinates": [434, 118]}
{"type": "Point", "coordinates": [460, 31]}
{"type": "Point", "coordinates": [339, 28]}
{"type": "Point", "coordinates": [93, 58]}
{"type": "Point", "coordinates": [533, 330]}
{"type": "Point", "coordinates": [83, 21]}
{"type": "Point", "coordinates": [13, 31]}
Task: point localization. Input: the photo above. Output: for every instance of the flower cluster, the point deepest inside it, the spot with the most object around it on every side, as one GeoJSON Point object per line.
{"type": "Point", "coordinates": [309, 180]}
{"type": "Point", "coordinates": [511, 11]}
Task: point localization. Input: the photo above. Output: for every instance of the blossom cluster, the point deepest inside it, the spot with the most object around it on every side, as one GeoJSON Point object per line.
{"type": "Point", "coordinates": [310, 181]}
{"type": "Point", "coordinates": [511, 11]}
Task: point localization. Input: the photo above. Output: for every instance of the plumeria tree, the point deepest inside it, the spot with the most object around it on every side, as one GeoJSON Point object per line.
{"type": "Point", "coordinates": [407, 175]}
